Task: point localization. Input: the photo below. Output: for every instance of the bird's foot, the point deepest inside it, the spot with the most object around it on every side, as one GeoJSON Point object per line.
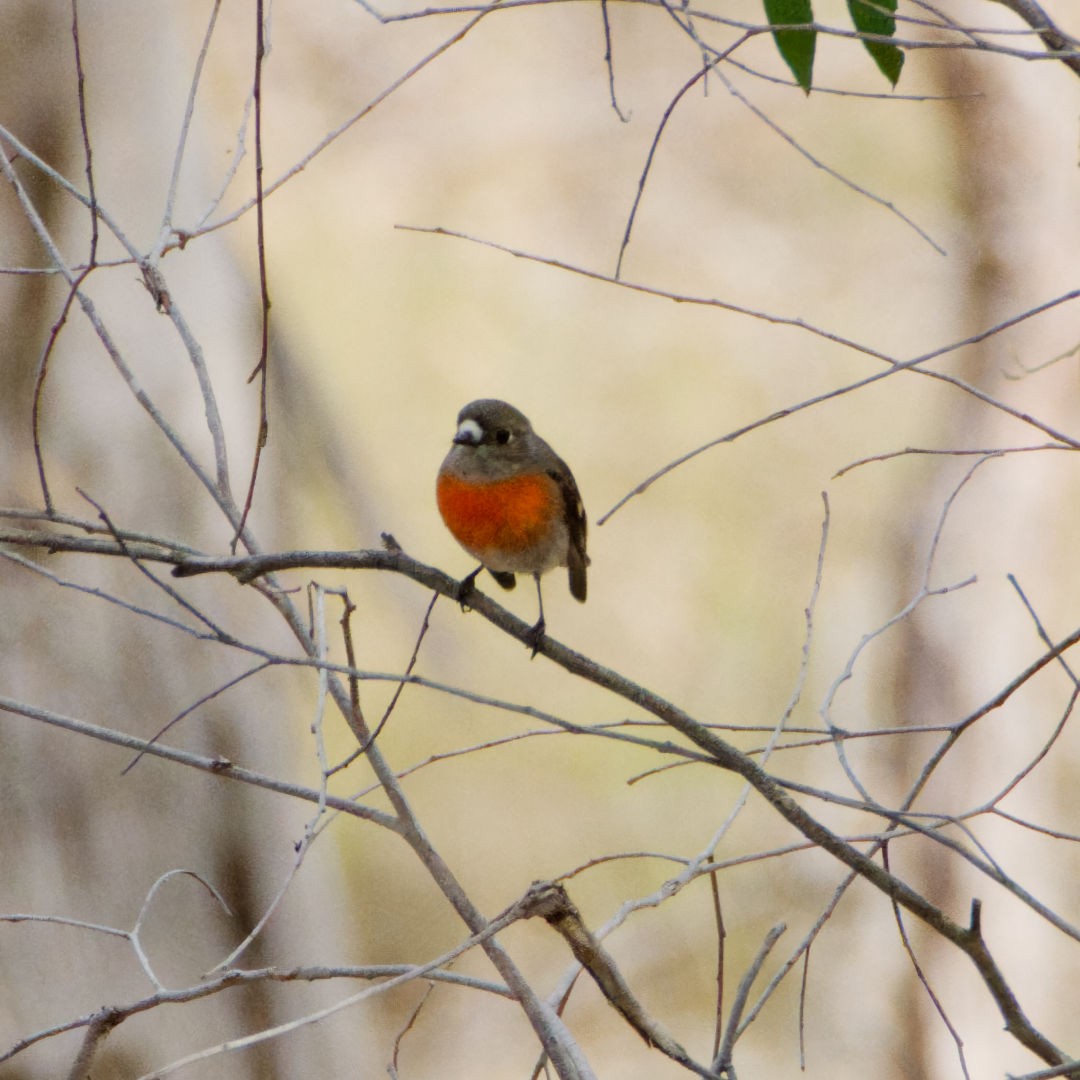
{"type": "Point", "coordinates": [465, 588]}
{"type": "Point", "coordinates": [535, 635]}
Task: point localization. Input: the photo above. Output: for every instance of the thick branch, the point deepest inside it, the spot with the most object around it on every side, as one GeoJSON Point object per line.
{"type": "Point", "coordinates": [552, 903]}
{"type": "Point", "coordinates": [723, 753]}
{"type": "Point", "coordinates": [726, 756]}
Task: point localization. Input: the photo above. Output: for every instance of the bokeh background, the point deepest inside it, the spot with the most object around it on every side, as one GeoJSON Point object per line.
{"type": "Point", "coordinates": [698, 587]}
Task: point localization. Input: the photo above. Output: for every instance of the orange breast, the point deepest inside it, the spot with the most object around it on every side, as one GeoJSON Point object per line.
{"type": "Point", "coordinates": [505, 515]}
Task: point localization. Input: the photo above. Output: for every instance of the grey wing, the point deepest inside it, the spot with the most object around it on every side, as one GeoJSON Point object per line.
{"type": "Point", "coordinates": [577, 524]}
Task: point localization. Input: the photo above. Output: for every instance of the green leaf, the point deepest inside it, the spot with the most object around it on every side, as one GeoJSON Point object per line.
{"type": "Point", "coordinates": [871, 17]}
{"type": "Point", "coordinates": [796, 46]}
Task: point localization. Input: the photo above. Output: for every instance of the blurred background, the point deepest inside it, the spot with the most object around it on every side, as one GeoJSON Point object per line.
{"type": "Point", "coordinates": [698, 587]}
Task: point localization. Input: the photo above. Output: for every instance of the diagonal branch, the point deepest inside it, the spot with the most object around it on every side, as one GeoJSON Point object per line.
{"type": "Point", "coordinates": [1055, 40]}
{"type": "Point", "coordinates": [722, 753]}
{"type": "Point", "coordinates": [552, 903]}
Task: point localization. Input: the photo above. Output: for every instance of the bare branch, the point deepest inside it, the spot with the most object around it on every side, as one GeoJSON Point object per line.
{"type": "Point", "coordinates": [552, 904]}
{"type": "Point", "coordinates": [215, 766]}
{"type": "Point", "coordinates": [1062, 45]}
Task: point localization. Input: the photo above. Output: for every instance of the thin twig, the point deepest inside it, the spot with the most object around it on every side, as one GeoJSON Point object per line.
{"type": "Point", "coordinates": [905, 940]}
{"type": "Point", "coordinates": [409, 667]}
{"type": "Point", "coordinates": [215, 766]}
{"type": "Point", "coordinates": [203, 700]}
{"type": "Point", "coordinates": [407, 1027]}
{"type": "Point", "coordinates": [91, 261]}
{"type": "Point", "coordinates": [609, 63]}
{"type": "Point", "coordinates": [827, 169]}
{"type": "Point", "coordinates": [261, 371]}
{"type": "Point", "coordinates": [646, 170]}
{"type": "Point", "coordinates": [721, 938]}
{"type": "Point", "coordinates": [915, 364]}
{"type": "Point", "coordinates": [722, 1062]}
{"type": "Point", "coordinates": [185, 128]}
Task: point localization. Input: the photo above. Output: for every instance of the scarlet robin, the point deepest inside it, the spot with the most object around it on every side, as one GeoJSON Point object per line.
{"type": "Point", "coordinates": [511, 502]}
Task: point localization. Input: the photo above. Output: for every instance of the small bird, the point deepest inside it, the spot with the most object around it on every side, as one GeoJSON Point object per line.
{"type": "Point", "coordinates": [511, 502]}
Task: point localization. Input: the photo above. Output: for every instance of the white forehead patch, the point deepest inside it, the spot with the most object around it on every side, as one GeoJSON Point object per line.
{"type": "Point", "coordinates": [470, 431]}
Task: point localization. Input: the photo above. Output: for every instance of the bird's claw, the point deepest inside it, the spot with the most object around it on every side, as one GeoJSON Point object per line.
{"type": "Point", "coordinates": [465, 587]}
{"type": "Point", "coordinates": [534, 635]}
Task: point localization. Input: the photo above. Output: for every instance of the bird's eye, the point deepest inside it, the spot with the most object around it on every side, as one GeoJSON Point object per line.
{"type": "Point", "coordinates": [502, 436]}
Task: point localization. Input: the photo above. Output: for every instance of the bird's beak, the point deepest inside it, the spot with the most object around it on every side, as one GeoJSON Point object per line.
{"type": "Point", "coordinates": [468, 434]}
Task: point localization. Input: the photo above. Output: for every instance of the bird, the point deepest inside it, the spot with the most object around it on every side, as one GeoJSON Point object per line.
{"type": "Point", "coordinates": [512, 503]}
